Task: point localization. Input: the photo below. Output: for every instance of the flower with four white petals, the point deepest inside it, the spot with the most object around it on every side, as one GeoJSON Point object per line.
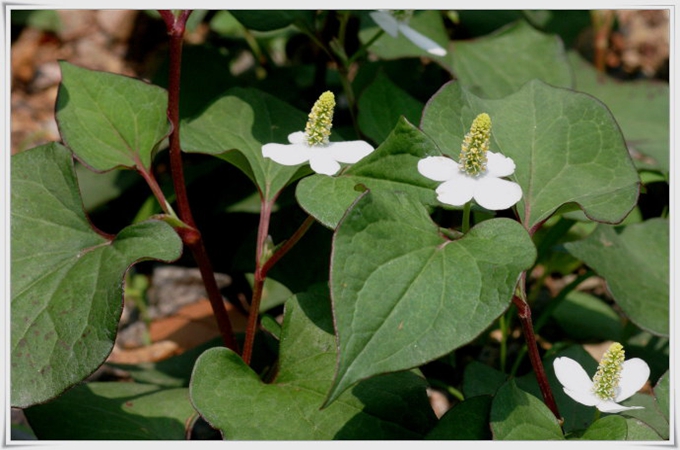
{"type": "Point", "coordinates": [614, 381]}
{"type": "Point", "coordinates": [395, 22]}
{"type": "Point", "coordinates": [477, 175]}
{"type": "Point", "coordinates": [313, 146]}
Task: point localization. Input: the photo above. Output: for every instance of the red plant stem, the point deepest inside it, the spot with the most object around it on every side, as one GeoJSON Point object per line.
{"type": "Point", "coordinates": [191, 236]}
{"type": "Point", "coordinates": [281, 251]}
{"type": "Point", "coordinates": [524, 313]}
{"type": "Point", "coordinates": [260, 275]}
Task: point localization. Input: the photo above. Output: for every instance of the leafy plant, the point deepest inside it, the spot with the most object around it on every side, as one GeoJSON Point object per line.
{"type": "Point", "coordinates": [392, 276]}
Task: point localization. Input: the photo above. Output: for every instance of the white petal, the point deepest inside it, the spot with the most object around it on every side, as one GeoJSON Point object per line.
{"type": "Point", "coordinates": [572, 375]}
{"type": "Point", "coordinates": [287, 154]}
{"type": "Point", "coordinates": [456, 191]}
{"type": "Point", "coordinates": [322, 162]}
{"type": "Point", "coordinates": [299, 137]}
{"type": "Point", "coordinates": [609, 406]}
{"type": "Point", "coordinates": [421, 41]}
{"type": "Point", "coordinates": [587, 398]}
{"type": "Point", "coordinates": [496, 194]}
{"type": "Point", "coordinates": [634, 375]}
{"type": "Point", "coordinates": [348, 152]}
{"type": "Point", "coordinates": [438, 168]}
{"type": "Point", "coordinates": [386, 21]}
{"type": "Point", "coordinates": [499, 165]}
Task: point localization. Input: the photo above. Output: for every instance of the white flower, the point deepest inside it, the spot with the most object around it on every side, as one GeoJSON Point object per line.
{"type": "Point", "coordinates": [313, 146]}
{"type": "Point", "coordinates": [478, 173]}
{"type": "Point", "coordinates": [323, 159]}
{"type": "Point", "coordinates": [392, 25]}
{"type": "Point", "coordinates": [615, 380]}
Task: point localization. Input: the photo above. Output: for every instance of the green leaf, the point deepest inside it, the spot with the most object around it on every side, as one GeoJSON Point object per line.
{"type": "Point", "coordinates": [427, 23]}
{"type": "Point", "coordinates": [585, 317]}
{"type": "Point", "coordinates": [662, 394]}
{"type": "Point", "coordinates": [480, 379]}
{"type": "Point", "coordinates": [114, 411]}
{"type": "Point", "coordinates": [651, 413]}
{"type": "Point", "coordinates": [404, 294]}
{"type": "Point", "coordinates": [382, 104]}
{"type": "Point", "coordinates": [236, 126]}
{"type": "Point", "coordinates": [609, 428]}
{"type": "Point", "coordinates": [390, 407]}
{"type": "Point", "coordinates": [392, 166]}
{"type": "Point", "coordinates": [271, 20]}
{"type": "Point", "coordinates": [66, 278]}
{"type": "Point", "coordinates": [566, 146]}
{"type": "Point", "coordinates": [110, 120]}
{"type": "Point", "coordinates": [641, 108]}
{"type": "Point", "coordinates": [634, 260]}
{"type": "Point", "coordinates": [517, 415]}
{"type": "Point", "coordinates": [640, 431]}
{"type": "Point", "coordinates": [499, 64]}
{"type": "Point", "coordinates": [468, 420]}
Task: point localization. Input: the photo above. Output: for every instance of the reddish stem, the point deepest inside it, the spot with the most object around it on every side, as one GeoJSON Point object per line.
{"type": "Point", "coordinates": [176, 26]}
{"type": "Point", "coordinates": [524, 313]}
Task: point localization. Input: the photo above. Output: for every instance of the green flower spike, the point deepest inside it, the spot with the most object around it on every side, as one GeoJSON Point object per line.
{"type": "Point", "coordinates": [318, 129]}
{"type": "Point", "coordinates": [472, 159]}
{"type": "Point", "coordinates": [614, 381]}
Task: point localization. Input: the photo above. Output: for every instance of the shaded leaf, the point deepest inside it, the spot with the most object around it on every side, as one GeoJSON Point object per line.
{"type": "Point", "coordinates": [114, 411]}
{"type": "Point", "coordinates": [585, 317]}
{"type": "Point", "coordinates": [403, 294]}
{"type": "Point", "coordinates": [382, 104]}
{"type": "Point", "coordinates": [566, 146]}
{"type": "Point", "coordinates": [609, 428]}
{"type": "Point", "coordinates": [271, 20]}
{"type": "Point", "coordinates": [468, 420]}
{"type": "Point", "coordinates": [110, 120]}
{"type": "Point", "coordinates": [517, 415]}
{"type": "Point", "coordinates": [66, 278]}
{"type": "Point", "coordinates": [634, 260]}
{"type": "Point", "coordinates": [390, 407]}
{"type": "Point", "coordinates": [480, 379]}
{"type": "Point", "coordinates": [236, 126]}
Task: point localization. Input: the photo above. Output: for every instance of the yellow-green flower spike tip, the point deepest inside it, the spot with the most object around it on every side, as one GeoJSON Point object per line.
{"type": "Point", "coordinates": [318, 128]}
{"type": "Point", "coordinates": [608, 373]}
{"type": "Point", "coordinates": [472, 159]}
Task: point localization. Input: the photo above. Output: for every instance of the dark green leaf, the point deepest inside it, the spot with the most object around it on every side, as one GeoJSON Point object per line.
{"type": "Point", "coordinates": [382, 104]}
{"type": "Point", "coordinates": [566, 146]}
{"type": "Point", "coordinates": [390, 407]}
{"type": "Point", "coordinates": [480, 379]}
{"type": "Point", "coordinates": [640, 431]}
{"type": "Point", "coordinates": [663, 395]}
{"type": "Point", "coordinates": [585, 317]}
{"type": "Point", "coordinates": [518, 415]}
{"type": "Point", "coordinates": [110, 120]}
{"type": "Point", "coordinates": [66, 278]}
{"type": "Point", "coordinates": [403, 294]}
{"type": "Point", "coordinates": [237, 125]}
{"type": "Point", "coordinates": [651, 413]}
{"type": "Point", "coordinates": [271, 20]}
{"type": "Point", "coordinates": [114, 411]}
{"type": "Point", "coordinates": [634, 260]}
{"type": "Point", "coordinates": [468, 420]}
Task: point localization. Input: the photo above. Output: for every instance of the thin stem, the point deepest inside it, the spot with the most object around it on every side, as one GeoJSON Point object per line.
{"type": "Point", "coordinates": [466, 217]}
{"type": "Point", "coordinates": [524, 313]}
{"type": "Point", "coordinates": [503, 325]}
{"type": "Point", "coordinates": [364, 48]}
{"type": "Point", "coordinates": [191, 237]}
{"type": "Point", "coordinates": [156, 190]}
{"type": "Point", "coordinates": [281, 251]}
{"type": "Point", "coordinates": [258, 283]}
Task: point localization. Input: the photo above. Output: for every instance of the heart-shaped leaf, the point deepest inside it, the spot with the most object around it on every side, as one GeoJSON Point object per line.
{"type": "Point", "coordinates": [236, 126]}
{"type": "Point", "coordinates": [499, 64]}
{"type": "Point", "coordinates": [518, 415]}
{"type": "Point", "coordinates": [566, 146]}
{"type": "Point", "coordinates": [392, 166]}
{"type": "Point", "coordinates": [634, 260]}
{"type": "Point", "coordinates": [114, 411]}
{"type": "Point", "coordinates": [641, 108]}
{"type": "Point", "coordinates": [110, 120]}
{"type": "Point", "coordinates": [404, 294]}
{"type": "Point", "coordinates": [391, 407]}
{"type": "Point", "coordinates": [66, 278]}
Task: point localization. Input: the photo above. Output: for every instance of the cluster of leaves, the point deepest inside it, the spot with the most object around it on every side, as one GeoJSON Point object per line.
{"type": "Point", "coordinates": [383, 298]}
